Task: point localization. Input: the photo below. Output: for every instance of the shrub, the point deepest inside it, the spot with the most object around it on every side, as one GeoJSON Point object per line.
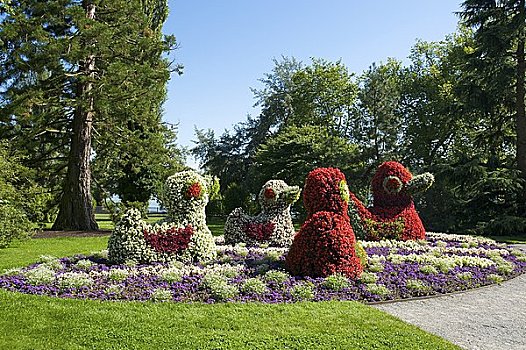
{"type": "Point", "coordinates": [84, 264]}
{"type": "Point", "coordinates": [14, 224]}
{"type": "Point", "coordinates": [324, 246]}
{"type": "Point", "coordinates": [303, 291]}
{"type": "Point", "coordinates": [428, 269]}
{"type": "Point", "coordinates": [218, 287]}
{"type": "Point", "coordinates": [51, 262]}
{"type": "Point", "coordinates": [74, 280]}
{"type": "Point", "coordinates": [336, 282]}
{"type": "Point", "coordinates": [276, 276]}
{"type": "Point", "coordinates": [40, 275]}
{"type": "Point", "coordinates": [368, 278]}
{"type": "Point", "coordinates": [161, 294]}
{"type": "Point", "coordinates": [22, 201]}
{"type": "Point", "coordinates": [254, 285]}
{"type": "Point", "coordinates": [172, 275]}
{"type": "Point", "coordinates": [378, 289]}
{"type": "Point", "coordinates": [118, 275]}
{"type": "Point", "coordinates": [417, 285]}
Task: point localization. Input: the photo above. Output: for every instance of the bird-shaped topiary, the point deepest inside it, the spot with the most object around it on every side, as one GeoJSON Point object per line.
{"type": "Point", "coordinates": [325, 244]}
{"type": "Point", "coordinates": [273, 225]}
{"type": "Point", "coordinates": [183, 235]}
{"type": "Point", "coordinates": [393, 214]}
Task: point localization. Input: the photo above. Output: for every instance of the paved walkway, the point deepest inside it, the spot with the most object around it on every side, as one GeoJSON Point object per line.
{"type": "Point", "coordinates": [492, 318]}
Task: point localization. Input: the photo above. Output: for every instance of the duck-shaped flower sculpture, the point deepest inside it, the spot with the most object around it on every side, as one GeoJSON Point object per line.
{"type": "Point", "coordinates": [393, 214]}
{"type": "Point", "coordinates": [273, 225]}
{"type": "Point", "coordinates": [325, 244]}
{"type": "Point", "coordinates": [182, 236]}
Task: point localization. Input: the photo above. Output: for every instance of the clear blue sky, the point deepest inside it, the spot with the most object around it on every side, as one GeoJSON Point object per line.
{"type": "Point", "coordinates": [227, 45]}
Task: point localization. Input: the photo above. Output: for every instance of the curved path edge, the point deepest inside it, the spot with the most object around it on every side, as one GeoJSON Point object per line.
{"type": "Point", "coordinates": [493, 317]}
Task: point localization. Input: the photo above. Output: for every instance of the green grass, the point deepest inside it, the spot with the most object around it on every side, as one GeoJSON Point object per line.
{"type": "Point", "coordinates": [33, 322]}
{"type": "Point", "coordinates": [105, 223]}
{"type": "Point", "coordinates": [510, 239]}
{"type": "Point", "coordinates": [26, 252]}
{"type": "Point", "coordinates": [216, 225]}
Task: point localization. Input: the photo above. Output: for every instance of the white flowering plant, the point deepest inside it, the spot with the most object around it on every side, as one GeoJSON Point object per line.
{"type": "Point", "coordinates": [182, 236]}
{"type": "Point", "coordinates": [273, 225]}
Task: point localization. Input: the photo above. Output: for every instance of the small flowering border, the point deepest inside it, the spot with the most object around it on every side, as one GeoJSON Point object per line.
{"type": "Point", "coordinates": [395, 270]}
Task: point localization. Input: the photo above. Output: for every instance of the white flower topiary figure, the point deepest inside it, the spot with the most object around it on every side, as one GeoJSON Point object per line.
{"type": "Point", "coordinates": [182, 236]}
{"type": "Point", "coordinates": [273, 225]}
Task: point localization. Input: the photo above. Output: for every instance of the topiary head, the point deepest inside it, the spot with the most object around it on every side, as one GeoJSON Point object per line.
{"type": "Point", "coordinates": [326, 190]}
{"type": "Point", "coordinates": [185, 191]}
{"type": "Point", "coordinates": [393, 184]}
{"type": "Point", "coordinates": [277, 194]}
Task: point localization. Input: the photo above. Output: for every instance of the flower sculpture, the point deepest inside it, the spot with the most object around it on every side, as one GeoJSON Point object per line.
{"type": "Point", "coordinates": [182, 236]}
{"type": "Point", "coordinates": [273, 225]}
{"type": "Point", "coordinates": [325, 244]}
{"type": "Point", "coordinates": [393, 215]}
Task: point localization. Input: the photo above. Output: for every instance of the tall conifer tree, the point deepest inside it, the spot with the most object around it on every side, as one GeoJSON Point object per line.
{"type": "Point", "coordinates": [74, 72]}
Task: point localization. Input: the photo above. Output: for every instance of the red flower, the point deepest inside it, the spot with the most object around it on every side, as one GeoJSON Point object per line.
{"type": "Point", "coordinates": [259, 231]}
{"type": "Point", "coordinates": [324, 245]}
{"type": "Point", "coordinates": [173, 240]}
{"type": "Point", "coordinates": [322, 191]}
{"type": "Point", "coordinates": [393, 215]}
{"type": "Point", "coordinates": [194, 191]}
{"type": "Point", "coordinates": [269, 193]}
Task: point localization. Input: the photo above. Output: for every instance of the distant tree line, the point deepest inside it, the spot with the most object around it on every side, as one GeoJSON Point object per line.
{"type": "Point", "coordinates": [456, 110]}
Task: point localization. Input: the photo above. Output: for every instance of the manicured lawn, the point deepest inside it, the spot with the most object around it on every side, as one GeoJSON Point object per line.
{"type": "Point", "coordinates": [105, 223]}
{"type": "Point", "coordinates": [519, 239]}
{"type": "Point", "coordinates": [216, 225]}
{"type": "Point", "coordinates": [33, 322]}
{"type": "Point", "coordinates": [24, 253]}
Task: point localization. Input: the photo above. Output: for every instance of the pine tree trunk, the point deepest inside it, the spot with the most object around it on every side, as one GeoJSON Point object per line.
{"type": "Point", "coordinates": [76, 211]}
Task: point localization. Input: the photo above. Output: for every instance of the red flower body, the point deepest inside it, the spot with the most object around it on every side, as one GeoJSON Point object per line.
{"type": "Point", "coordinates": [173, 240]}
{"type": "Point", "coordinates": [325, 243]}
{"type": "Point", "coordinates": [260, 232]}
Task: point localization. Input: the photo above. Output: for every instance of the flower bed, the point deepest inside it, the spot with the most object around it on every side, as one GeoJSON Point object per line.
{"type": "Point", "coordinates": [395, 270]}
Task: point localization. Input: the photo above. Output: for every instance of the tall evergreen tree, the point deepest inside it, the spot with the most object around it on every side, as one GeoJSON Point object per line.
{"type": "Point", "coordinates": [499, 57]}
{"type": "Point", "coordinates": [70, 70]}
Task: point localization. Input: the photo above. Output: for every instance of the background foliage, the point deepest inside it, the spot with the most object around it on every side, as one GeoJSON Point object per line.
{"type": "Point", "coordinates": [452, 110]}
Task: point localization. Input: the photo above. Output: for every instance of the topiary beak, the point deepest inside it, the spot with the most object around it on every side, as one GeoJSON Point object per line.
{"type": "Point", "coordinates": [420, 183]}
{"type": "Point", "coordinates": [291, 194]}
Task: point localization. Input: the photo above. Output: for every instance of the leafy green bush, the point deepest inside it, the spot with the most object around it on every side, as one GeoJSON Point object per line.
{"type": "Point", "coordinates": [22, 202]}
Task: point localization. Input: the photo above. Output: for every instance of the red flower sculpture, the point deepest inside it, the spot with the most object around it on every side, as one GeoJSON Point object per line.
{"type": "Point", "coordinates": [325, 243]}
{"type": "Point", "coordinates": [269, 193]}
{"type": "Point", "coordinates": [173, 240]}
{"type": "Point", "coordinates": [393, 214]}
{"type": "Point", "coordinates": [322, 192]}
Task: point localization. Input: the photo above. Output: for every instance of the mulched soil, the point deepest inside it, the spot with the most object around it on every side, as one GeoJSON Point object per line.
{"type": "Point", "coordinates": [53, 234]}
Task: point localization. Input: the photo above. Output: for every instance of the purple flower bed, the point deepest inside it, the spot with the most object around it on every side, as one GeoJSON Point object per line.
{"type": "Point", "coordinates": [395, 270]}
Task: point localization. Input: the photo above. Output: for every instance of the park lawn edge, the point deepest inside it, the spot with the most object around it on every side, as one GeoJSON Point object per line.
{"type": "Point", "coordinates": [40, 322]}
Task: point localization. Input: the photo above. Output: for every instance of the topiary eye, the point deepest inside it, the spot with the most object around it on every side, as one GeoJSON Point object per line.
{"type": "Point", "coordinates": [344, 191]}
{"type": "Point", "coordinates": [194, 191]}
{"type": "Point", "coordinates": [392, 184]}
{"type": "Point", "coordinates": [269, 193]}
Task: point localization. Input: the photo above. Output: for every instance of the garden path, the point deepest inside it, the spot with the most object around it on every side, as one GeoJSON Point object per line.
{"type": "Point", "coordinates": [487, 318]}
